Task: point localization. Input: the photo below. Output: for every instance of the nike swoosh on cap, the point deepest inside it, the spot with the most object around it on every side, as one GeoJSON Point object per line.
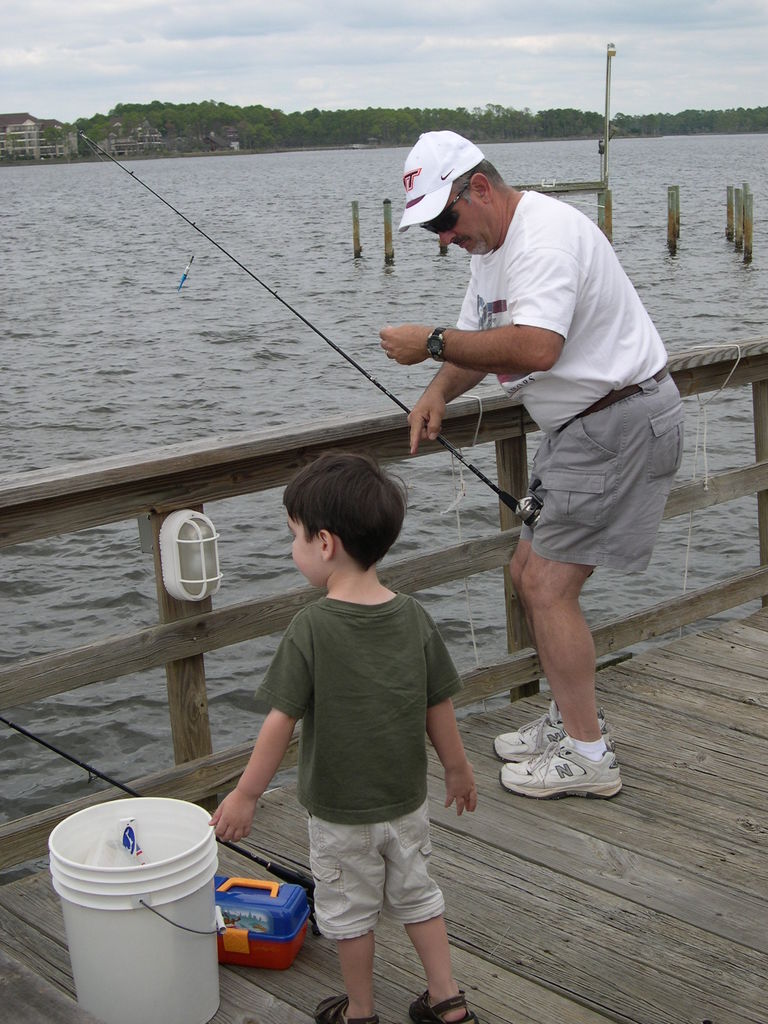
{"type": "Point", "coordinates": [444, 176]}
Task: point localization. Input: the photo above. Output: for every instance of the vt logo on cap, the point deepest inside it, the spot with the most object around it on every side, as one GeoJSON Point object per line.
{"type": "Point", "coordinates": [409, 177]}
{"type": "Point", "coordinates": [434, 163]}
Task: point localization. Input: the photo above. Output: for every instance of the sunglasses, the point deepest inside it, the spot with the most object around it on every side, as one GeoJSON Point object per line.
{"type": "Point", "coordinates": [446, 220]}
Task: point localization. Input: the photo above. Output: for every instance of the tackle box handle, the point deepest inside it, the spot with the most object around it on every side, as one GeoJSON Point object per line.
{"type": "Point", "coordinates": [251, 883]}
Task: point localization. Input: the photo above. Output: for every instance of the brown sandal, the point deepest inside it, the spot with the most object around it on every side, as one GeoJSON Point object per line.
{"type": "Point", "coordinates": [332, 1010]}
{"type": "Point", "coordinates": [424, 1012]}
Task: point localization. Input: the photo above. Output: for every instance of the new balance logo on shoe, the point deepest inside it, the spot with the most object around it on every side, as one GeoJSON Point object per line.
{"type": "Point", "coordinates": [561, 771]}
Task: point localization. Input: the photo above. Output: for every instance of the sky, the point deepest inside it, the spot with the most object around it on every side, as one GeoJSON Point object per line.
{"type": "Point", "coordinates": [63, 59]}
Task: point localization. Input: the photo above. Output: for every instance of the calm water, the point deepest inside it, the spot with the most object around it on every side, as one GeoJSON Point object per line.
{"type": "Point", "coordinates": [101, 355]}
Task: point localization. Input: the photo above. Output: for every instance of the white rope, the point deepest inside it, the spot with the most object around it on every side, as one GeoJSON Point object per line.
{"type": "Point", "coordinates": [460, 492]}
{"type": "Point", "coordinates": [702, 426]}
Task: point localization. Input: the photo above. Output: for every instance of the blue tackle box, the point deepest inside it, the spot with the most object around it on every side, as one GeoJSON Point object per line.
{"type": "Point", "coordinates": [265, 921]}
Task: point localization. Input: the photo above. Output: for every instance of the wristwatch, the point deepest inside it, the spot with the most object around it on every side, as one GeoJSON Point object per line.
{"type": "Point", "coordinates": [435, 344]}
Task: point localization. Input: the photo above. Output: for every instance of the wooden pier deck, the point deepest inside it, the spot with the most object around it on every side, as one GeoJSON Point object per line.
{"type": "Point", "coordinates": [650, 908]}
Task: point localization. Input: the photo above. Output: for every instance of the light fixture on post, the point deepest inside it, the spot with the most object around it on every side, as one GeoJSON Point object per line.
{"type": "Point", "coordinates": [189, 555]}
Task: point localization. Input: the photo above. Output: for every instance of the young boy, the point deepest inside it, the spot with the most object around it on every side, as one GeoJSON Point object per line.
{"type": "Point", "coordinates": [369, 675]}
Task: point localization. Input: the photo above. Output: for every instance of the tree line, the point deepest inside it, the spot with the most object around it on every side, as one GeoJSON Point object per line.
{"type": "Point", "coordinates": [193, 126]}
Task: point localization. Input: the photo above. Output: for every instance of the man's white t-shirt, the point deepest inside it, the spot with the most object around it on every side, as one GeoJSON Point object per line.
{"type": "Point", "coordinates": [557, 270]}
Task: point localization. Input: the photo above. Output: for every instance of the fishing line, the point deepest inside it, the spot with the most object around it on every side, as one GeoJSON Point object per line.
{"type": "Point", "coordinates": [285, 874]}
{"type": "Point", "coordinates": [702, 426]}
{"type": "Point", "coordinates": [526, 508]}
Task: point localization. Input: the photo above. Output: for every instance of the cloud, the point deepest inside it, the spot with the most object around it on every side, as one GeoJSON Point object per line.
{"type": "Point", "coordinates": [70, 60]}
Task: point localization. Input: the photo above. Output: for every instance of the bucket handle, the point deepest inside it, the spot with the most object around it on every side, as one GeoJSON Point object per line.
{"type": "Point", "coordinates": [250, 883]}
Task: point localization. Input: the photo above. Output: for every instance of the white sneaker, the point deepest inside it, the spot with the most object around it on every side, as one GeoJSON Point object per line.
{"type": "Point", "coordinates": [535, 737]}
{"type": "Point", "coordinates": [561, 771]}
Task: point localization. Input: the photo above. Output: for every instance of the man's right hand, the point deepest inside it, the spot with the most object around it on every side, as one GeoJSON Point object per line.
{"type": "Point", "coordinates": [426, 419]}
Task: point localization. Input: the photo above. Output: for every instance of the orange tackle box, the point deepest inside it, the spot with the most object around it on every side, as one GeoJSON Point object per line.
{"type": "Point", "coordinates": [265, 921]}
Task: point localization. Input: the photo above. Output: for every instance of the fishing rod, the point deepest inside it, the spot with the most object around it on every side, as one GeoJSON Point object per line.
{"type": "Point", "coordinates": [527, 508]}
{"type": "Point", "coordinates": [281, 872]}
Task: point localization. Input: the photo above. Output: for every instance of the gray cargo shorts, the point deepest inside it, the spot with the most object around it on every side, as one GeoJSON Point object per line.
{"type": "Point", "coordinates": [604, 480]}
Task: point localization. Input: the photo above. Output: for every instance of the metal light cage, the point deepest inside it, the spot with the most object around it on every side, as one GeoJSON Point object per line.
{"type": "Point", "coordinates": [189, 555]}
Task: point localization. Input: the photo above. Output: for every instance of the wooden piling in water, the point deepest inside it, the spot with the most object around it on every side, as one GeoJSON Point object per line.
{"type": "Point", "coordinates": [738, 219]}
{"type": "Point", "coordinates": [729, 214]}
{"type": "Point", "coordinates": [748, 227]}
{"type": "Point", "coordinates": [677, 210]}
{"type": "Point", "coordinates": [358, 249]}
{"type": "Point", "coordinates": [671, 221]}
{"type": "Point", "coordinates": [389, 252]}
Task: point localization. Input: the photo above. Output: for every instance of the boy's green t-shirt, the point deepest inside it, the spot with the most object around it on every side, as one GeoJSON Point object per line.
{"type": "Point", "coordinates": [361, 678]}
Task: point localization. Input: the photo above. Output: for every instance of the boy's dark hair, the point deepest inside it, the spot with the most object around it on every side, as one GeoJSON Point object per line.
{"type": "Point", "coordinates": [349, 495]}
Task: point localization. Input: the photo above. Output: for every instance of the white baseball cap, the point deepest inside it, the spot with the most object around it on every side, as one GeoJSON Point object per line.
{"type": "Point", "coordinates": [431, 167]}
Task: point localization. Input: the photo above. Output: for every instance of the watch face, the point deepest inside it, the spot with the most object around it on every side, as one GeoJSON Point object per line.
{"type": "Point", "coordinates": [435, 345]}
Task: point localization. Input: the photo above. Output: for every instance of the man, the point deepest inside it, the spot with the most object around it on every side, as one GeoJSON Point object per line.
{"type": "Point", "coordinates": [550, 311]}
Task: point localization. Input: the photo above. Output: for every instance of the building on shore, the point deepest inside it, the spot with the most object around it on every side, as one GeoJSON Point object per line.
{"type": "Point", "coordinates": [124, 140]}
{"type": "Point", "coordinates": [25, 137]}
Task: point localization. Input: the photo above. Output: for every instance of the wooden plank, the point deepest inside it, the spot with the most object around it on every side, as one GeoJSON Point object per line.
{"type": "Point", "coordinates": [153, 646]}
{"type": "Point", "coordinates": [28, 998]}
{"type": "Point", "coordinates": [199, 633]}
{"type": "Point", "coordinates": [715, 654]}
{"type": "Point", "coordinates": [720, 834]}
{"type": "Point", "coordinates": [676, 668]}
{"type": "Point", "coordinates": [705, 955]}
{"type": "Point", "coordinates": [716, 489]}
{"type": "Point", "coordinates": [513, 920]}
{"type": "Point", "coordinates": [672, 890]}
{"type": "Point", "coordinates": [83, 495]}
{"type": "Point", "coordinates": [676, 692]}
{"type": "Point", "coordinates": [268, 994]}
{"type": "Point", "coordinates": [499, 995]}
{"type": "Point", "coordinates": [207, 776]}
{"type": "Point", "coordinates": [46, 955]}
{"type": "Point", "coordinates": [621, 958]}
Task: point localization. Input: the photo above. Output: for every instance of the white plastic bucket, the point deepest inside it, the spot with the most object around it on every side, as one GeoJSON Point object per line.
{"type": "Point", "coordinates": [128, 963]}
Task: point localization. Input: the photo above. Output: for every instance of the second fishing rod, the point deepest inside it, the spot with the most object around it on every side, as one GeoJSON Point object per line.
{"type": "Point", "coordinates": [527, 508]}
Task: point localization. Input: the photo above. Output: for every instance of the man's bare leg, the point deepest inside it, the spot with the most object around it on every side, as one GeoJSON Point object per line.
{"type": "Point", "coordinates": [549, 592]}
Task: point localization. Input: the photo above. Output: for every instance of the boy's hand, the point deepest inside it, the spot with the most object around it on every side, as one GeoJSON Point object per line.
{"type": "Point", "coordinates": [460, 787]}
{"type": "Point", "coordinates": [233, 818]}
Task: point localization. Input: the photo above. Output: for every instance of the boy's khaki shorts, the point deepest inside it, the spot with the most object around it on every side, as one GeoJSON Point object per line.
{"type": "Point", "coordinates": [359, 869]}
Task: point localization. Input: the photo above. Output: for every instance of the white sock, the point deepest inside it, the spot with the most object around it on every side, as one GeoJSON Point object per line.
{"type": "Point", "coordinates": [594, 749]}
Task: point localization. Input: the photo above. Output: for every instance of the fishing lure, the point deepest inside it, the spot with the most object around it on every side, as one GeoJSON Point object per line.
{"type": "Point", "coordinates": [184, 275]}
{"type": "Point", "coordinates": [527, 508]}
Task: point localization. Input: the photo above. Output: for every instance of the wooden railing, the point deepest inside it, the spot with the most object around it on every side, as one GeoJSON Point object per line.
{"type": "Point", "coordinates": [51, 502]}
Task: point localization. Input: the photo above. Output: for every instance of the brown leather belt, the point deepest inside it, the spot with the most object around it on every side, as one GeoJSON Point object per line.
{"type": "Point", "coordinates": [611, 398]}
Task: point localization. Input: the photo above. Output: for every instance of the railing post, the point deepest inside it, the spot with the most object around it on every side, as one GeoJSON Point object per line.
{"type": "Point", "coordinates": [605, 213]}
{"type": "Point", "coordinates": [187, 696]}
{"type": "Point", "coordinates": [512, 475]}
{"type": "Point", "coordinates": [760, 416]}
